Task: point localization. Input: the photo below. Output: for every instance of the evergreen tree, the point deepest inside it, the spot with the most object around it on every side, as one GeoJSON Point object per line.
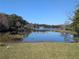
{"type": "Point", "coordinates": [75, 21]}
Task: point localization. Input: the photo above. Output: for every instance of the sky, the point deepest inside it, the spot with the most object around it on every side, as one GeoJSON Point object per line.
{"type": "Point", "coordinates": [51, 12]}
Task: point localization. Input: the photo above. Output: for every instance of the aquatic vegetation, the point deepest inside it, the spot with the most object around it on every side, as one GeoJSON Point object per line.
{"type": "Point", "coordinates": [9, 37]}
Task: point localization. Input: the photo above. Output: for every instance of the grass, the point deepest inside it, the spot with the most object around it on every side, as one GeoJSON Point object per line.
{"type": "Point", "coordinates": [42, 50]}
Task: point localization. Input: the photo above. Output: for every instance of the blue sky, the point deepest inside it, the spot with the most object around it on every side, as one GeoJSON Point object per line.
{"type": "Point", "coordinates": [40, 11]}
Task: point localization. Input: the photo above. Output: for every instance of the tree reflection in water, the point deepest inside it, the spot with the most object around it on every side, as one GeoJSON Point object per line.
{"type": "Point", "coordinates": [76, 37]}
{"type": "Point", "coordinates": [13, 38]}
{"type": "Point", "coordinates": [67, 37]}
{"type": "Point", "coordinates": [27, 33]}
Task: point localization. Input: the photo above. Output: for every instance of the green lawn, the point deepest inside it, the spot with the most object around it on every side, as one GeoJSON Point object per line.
{"type": "Point", "coordinates": [42, 50]}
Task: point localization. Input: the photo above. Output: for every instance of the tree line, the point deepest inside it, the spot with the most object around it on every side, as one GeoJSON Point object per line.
{"type": "Point", "coordinates": [11, 22]}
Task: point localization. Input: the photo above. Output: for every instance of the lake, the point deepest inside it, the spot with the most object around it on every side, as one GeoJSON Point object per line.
{"type": "Point", "coordinates": [47, 36]}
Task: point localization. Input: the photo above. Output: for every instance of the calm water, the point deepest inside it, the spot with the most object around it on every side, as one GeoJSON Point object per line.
{"type": "Point", "coordinates": [47, 36]}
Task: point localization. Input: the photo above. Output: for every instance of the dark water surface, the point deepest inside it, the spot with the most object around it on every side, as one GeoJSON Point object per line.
{"type": "Point", "coordinates": [47, 36]}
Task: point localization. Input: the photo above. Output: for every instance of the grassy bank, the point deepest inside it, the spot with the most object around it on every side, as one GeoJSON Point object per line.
{"type": "Point", "coordinates": [40, 51]}
{"type": "Point", "coordinates": [9, 37]}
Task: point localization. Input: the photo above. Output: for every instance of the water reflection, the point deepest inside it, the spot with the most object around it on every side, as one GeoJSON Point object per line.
{"type": "Point", "coordinates": [41, 36]}
{"type": "Point", "coordinates": [48, 36]}
{"type": "Point", "coordinates": [27, 33]}
{"type": "Point", "coordinates": [67, 37]}
{"type": "Point", "coordinates": [76, 38]}
{"type": "Point", "coordinates": [13, 38]}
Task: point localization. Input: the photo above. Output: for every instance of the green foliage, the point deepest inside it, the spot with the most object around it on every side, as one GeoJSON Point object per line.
{"type": "Point", "coordinates": [75, 21]}
{"type": "Point", "coordinates": [7, 37]}
{"type": "Point", "coordinates": [13, 22]}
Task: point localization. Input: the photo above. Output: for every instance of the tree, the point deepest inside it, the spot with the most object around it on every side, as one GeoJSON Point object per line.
{"type": "Point", "coordinates": [75, 21]}
{"type": "Point", "coordinates": [16, 22]}
{"type": "Point", "coordinates": [4, 25]}
{"type": "Point", "coordinates": [11, 22]}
